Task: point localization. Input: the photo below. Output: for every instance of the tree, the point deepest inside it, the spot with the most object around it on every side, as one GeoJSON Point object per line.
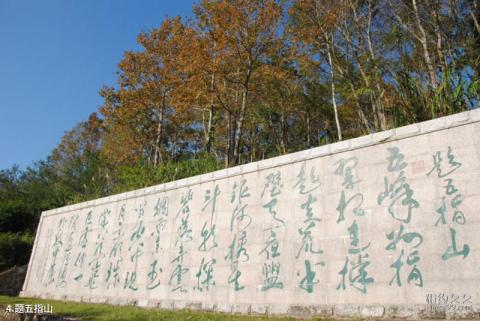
{"type": "Point", "coordinates": [148, 82]}
{"type": "Point", "coordinates": [245, 34]}
{"type": "Point", "coordinates": [313, 24]}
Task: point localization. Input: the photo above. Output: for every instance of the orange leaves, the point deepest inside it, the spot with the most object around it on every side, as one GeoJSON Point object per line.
{"type": "Point", "coordinates": [241, 75]}
{"type": "Point", "coordinates": [313, 20]}
{"type": "Point", "coordinates": [196, 73]}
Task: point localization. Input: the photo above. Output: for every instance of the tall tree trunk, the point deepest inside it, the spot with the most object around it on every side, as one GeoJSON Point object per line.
{"type": "Point", "coordinates": [436, 21]}
{"type": "Point", "coordinates": [233, 123]}
{"type": "Point", "coordinates": [360, 112]}
{"type": "Point", "coordinates": [334, 99]}
{"type": "Point", "coordinates": [424, 42]}
{"type": "Point", "coordinates": [377, 106]}
{"type": "Point", "coordinates": [174, 147]}
{"type": "Point", "coordinates": [283, 134]}
{"type": "Point", "coordinates": [308, 129]}
{"type": "Point", "coordinates": [158, 157]}
{"type": "Point", "coordinates": [252, 145]}
{"type": "Point", "coordinates": [210, 131]}
{"type": "Point", "coordinates": [229, 138]}
{"type": "Point", "coordinates": [239, 128]}
{"type": "Point", "coordinates": [211, 126]}
{"type": "Point", "coordinates": [380, 109]}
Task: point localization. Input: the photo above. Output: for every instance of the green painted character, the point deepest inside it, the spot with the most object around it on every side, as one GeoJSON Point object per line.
{"type": "Point", "coordinates": [271, 248]}
{"type": "Point", "coordinates": [130, 281]}
{"type": "Point", "coordinates": [357, 200]}
{"type": "Point", "coordinates": [271, 272]}
{"type": "Point", "coordinates": [302, 180]}
{"type": "Point", "coordinates": [309, 280]}
{"type": "Point", "coordinates": [442, 211]}
{"type": "Point", "coordinates": [152, 275]}
{"type": "Point", "coordinates": [208, 238]}
{"type": "Point", "coordinates": [113, 274]}
{"type": "Point", "coordinates": [409, 238]}
{"type": "Point", "coordinates": [452, 251]}
{"type": "Point", "coordinates": [357, 274]}
{"type": "Point", "coordinates": [345, 168]}
{"type": "Point", "coordinates": [397, 265]}
{"type": "Point", "coordinates": [438, 163]}
{"type": "Point", "coordinates": [160, 215]}
{"type": "Point", "coordinates": [205, 275]}
{"type": "Point", "coordinates": [208, 233]}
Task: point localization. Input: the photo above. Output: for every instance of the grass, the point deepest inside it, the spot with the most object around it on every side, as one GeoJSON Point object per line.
{"type": "Point", "coordinates": [105, 312]}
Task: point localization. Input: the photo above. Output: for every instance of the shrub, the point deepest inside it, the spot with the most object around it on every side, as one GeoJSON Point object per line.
{"type": "Point", "coordinates": [15, 249]}
{"type": "Point", "coordinates": [134, 177]}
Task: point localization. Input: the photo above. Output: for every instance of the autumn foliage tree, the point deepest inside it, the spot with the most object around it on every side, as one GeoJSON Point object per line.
{"type": "Point", "coordinates": [244, 80]}
{"type": "Point", "coordinates": [149, 81]}
{"type": "Point", "coordinates": [243, 36]}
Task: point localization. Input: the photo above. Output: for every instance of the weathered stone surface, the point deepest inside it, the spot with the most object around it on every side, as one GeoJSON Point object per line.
{"type": "Point", "coordinates": [180, 305]}
{"type": "Point", "coordinates": [341, 310]}
{"type": "Point", "coordinates": [463, 313]}
{"type": "Point", "coordinates": [258, 308]}
{"type": "Point", "coordinates": [224, 307]}
{"type": "Point", "coordinates": [323, 311]}
{"type": "Point", "coordinates": [372, 311]}
{"type": "Point", "coordinates": [241, 308]}
{"type": "Point", "coordinates": [401, 311]}
{"type": "Point", "coordinates": [431, 312]}
{"type": "Point", "coordinates": [278, 309]}
{"type": "Point", "coordinates": [207, 306]}
{"type": "Point", "coordinates": [11, 281]}
{"type": "Point", "coordinates": [143, 303]}
{"type": "Point", "coordinates": [302, 310]}
{"type": "Point", "coordinates": [382, 226]}
{"type": "Point", "coordinates": [194, 306]}
{"type": "Point", "coordinates": [167, 305]}
{"type": "Point", "coordinates": [407, 131]}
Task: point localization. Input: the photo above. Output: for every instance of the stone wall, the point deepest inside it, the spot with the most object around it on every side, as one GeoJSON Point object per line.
{"type": "Point", "coordinates": [11, 280]}
{"type": "Point", "coordinates": [385, 225]}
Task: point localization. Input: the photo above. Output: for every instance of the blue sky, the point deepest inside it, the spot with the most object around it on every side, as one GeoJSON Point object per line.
{"type": "Point", "coordinates": [55, 55]}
